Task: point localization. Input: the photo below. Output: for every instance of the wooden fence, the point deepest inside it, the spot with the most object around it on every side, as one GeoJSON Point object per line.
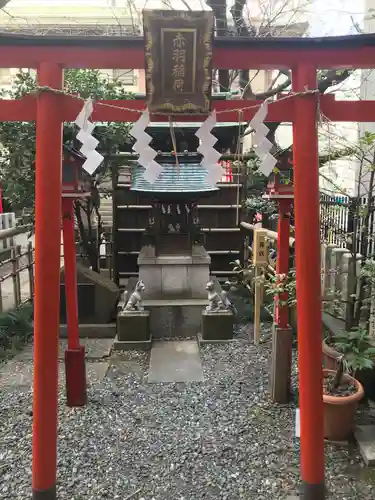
{"type": "Point", "coordinates": [16, 270]}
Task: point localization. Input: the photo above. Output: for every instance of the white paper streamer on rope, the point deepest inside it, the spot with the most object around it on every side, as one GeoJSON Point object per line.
{"type": "Point", "coordinates": [262, 146]}
{"type": "Point", "coordinates": [89, 143]}
{"type": "Point", "coordinates": [146, 153]}
{"type": "Point", "coordinates": [206, 148]}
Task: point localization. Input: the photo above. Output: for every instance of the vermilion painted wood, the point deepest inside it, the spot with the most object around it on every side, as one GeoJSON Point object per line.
{"type": "Point", "coordinates": [282, 266]}
{"type": "Point", "coordinates": [129, 54]}
{"type": "Point", "coordinates": [282, 111]}
{"type": "Point", "coordinates": [47, 282]}
{"type": "Point", "coordinates": [70, 272]}
{"type": "Point", "coordinates": [308, 272]}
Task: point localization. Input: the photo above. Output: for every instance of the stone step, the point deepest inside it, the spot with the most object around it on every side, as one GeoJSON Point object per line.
{"type": "Point", "coordinates": [175, 361]}
{"type": "Point", "coordinates": [175, 302]}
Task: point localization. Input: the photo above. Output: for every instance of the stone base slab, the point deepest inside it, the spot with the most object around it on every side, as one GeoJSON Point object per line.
{"type": "Point", "coordinates": [92, 331]}
{"type": "Point", "coordinates": [171, 318]}
{"type": "Point", "coordinates": [365, 437]}
{"type": "Point", "coordinates": [121, 345]}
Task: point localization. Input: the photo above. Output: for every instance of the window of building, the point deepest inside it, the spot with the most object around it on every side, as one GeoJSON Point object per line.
{"type": "Point", "coordinates": [125, 76]}
{"type": "Point", "coordinates": [5, 76]}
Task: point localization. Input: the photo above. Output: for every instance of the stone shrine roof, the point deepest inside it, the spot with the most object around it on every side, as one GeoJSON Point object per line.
{"type": "Point", "coordinates": [189, 178]}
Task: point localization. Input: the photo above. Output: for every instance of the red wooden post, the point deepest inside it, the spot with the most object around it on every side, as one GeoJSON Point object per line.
{"type": "Point", "coordinates": [75, 370]}
{"type": "Point", "coordinates": [282, 337]}
{"type": "Point", "coordinates": [47, 282]}
{"type": "Point", "coordinates": [309, 310]}
{"type": "Point", "coordinates": [282, 265]}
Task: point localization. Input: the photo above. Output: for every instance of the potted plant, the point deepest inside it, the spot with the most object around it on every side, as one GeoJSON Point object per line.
{"type": "Point", "coordinates": [341, 395]}
{"type": "Point", "coordinates": [359, 355]}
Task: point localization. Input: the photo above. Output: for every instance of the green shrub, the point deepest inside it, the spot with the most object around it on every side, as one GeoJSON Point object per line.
{"type": "Point", "coordinates": [16, 328]}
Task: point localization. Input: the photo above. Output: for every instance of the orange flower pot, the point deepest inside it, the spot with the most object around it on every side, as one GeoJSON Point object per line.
{"type": "Point", "coordinates": [330, 356]}
{"type": "Point", "coordinates": [339, 411]}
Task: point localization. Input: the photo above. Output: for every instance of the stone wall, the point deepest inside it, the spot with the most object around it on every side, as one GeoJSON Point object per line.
{"type": "Point", "coordinates": [336, 279]}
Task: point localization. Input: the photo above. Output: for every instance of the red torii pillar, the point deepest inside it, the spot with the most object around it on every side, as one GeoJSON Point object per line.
{"type": "Point", "coordinates": [282, 336]}
{"type": "Point", "coordinates": [47, 282]}
{"type": "Point", "coordinates": [75, 369]}
{"type": "Point", "coordinates": [309, 311]}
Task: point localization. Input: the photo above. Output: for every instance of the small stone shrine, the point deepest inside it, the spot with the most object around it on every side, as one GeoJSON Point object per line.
{"type": "Point", "coordinates": [173, 261]}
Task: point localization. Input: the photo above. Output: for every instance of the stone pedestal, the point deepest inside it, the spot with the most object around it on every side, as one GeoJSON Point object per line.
{"type": "Point", "coordinates": [217, 325]}
{"type": "Point", "coordinates": [174, 276]}
{"type": "Point", "coordinates": [133, 330]}
{"type": "Point", "coordinates": [133, 326]}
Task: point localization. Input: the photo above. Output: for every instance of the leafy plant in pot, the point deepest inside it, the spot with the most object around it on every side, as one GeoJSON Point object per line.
{"type": "Point", "coordinates": [341, 395]}
{"type": "Point", "coordinates": [359, 355]}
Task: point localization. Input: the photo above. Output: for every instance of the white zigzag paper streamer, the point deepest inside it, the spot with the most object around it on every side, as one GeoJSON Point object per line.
{"type": "Point", "coordinates": [89, 143]}
{"type": "Point", "coordinates": [146, 153]}
{"type": "Point", "coordinates": [206, 148]}
{"type": "Point", "coordinates": [262, 146]}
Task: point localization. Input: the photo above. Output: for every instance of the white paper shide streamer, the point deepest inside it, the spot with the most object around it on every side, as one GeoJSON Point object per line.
{"type": "Point", "coordinates": [146, 153]}
{"type": "Point", "coordinates": [206, 148]}
{"type": "Point", "coordinates": [89, 143]}
{"type": "Point", "coordinates": [262, 146]}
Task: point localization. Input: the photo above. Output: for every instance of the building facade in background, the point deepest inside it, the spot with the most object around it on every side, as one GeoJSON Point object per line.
{"type": "Point", "coordinates": [73, 18]}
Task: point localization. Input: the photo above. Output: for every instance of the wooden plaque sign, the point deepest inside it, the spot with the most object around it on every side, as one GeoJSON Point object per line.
{"type": "Point", "coordinates": [178, 51]}
{"type": "Point", "coordinates": [260, 247]}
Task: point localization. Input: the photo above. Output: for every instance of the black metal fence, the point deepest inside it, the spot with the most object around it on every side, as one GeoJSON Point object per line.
{"type": "Point", "coordinates": [338, 222]}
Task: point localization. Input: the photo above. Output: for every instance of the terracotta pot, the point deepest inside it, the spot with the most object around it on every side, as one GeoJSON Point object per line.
{"type": "Point", "coordinates": [365, 377]}
{"type": "Point", "coordinates": [339, 412]}
{"type": "Point", "coordinates": [330, 356]}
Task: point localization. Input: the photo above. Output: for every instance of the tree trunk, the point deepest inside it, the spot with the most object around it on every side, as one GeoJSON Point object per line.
{"type": "Point", "coordinates": [88, 239]}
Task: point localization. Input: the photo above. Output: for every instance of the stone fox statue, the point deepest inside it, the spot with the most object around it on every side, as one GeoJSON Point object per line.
{"type": "Point", "coordinates": [225, 299]}
{"type": "Point", "coordinates": [135, 299]}
{"type": "Point", "coordinates": [214, 301]}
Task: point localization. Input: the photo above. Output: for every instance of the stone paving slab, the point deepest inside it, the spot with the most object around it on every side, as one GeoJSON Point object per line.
{"type": "Point", "coordinates": [175, 361]}
{"type": "Point", "coordinates": [95, 349]}
{"type": "Point", "coordinates": [365, 437]}
{"type": "Point", "coordinates": [20, 373]}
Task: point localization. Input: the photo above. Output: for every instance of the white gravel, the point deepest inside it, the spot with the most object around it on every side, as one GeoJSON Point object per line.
{"type": "Point", "coordinates": [221, 439]}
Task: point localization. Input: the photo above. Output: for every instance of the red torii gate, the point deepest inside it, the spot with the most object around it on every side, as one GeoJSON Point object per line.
{"type": "Point", "coordinates": [50, 55]}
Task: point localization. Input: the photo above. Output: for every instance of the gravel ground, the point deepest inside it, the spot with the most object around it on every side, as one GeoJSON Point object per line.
{"type": "Point", "coordinates": [221, 439]}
